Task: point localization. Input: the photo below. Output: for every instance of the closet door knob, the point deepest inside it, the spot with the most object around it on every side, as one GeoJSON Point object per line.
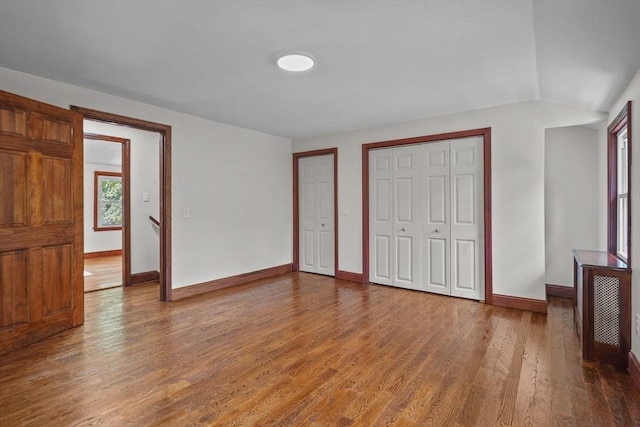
{"type": "Point", "coordinates": [402, 229]}
{"type": "Point", "coordinates": [437, 231]}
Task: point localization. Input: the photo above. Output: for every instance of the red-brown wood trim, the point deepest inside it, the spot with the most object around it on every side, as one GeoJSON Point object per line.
{"type": "Point", "coordinates": [126, 195]}
{"type": "Point", "coordinates": [296, 204]}
{"type": "Point", "coordinates": [488, 227]}
{"type": "Point", "coordinates": [488, 247]}
{"type": "Point", "coordinates": [622, 119]}
{"type": "Point", "coordinates": [103, 254]}
{"type": "Point", "coordinates": [560, 291]}
{"type": "Point", "coordinates": [146, 276]}
{"type": "Point", "coordinates": [634, 368]}
{"type": "Point", "coordinates": [349, 276]}
{"type": "Point", "coordinates": [529, 304]}
{"type": "Point", "coordinates": [96, 175]}
{"type": "Point", "coordinates": [165, 184]}
{"type": "Point", "coordinates": [226, 282]}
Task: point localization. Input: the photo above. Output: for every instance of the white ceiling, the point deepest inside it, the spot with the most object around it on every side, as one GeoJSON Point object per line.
{"type": "Point", "coordinates": [378, 62]}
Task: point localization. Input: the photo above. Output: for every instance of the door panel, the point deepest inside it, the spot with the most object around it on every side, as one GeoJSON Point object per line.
{"type": "Point", "coordinates": [13, 187]}
{"type": "Point", "coordinates": [464, 199]}
{"type": "Point", "coordinates": [465, 262]}
{"type": "Point", "coordinates": [56, 274]}
{"type": "Point", "coordinates": [13, 279]}
{"type": "Point", "coordinates": [437, 197]}
{"type": "Point", "coordinates": [437, 280]}
{"type": "Point", "coordinates": [41, 254]}
{"type": "Point", "coordinates": [381, 251]}
{"type": "Point", "coordinates": [382, 264]}
{"type": "Point", "coordinates": [325, 246]}
{"type": "Point", "coordinates": [308, 255]}
{"type": "Point", "coordinates": [307, 203]}
{"type": "Point", "coordinates": [325, 252]}
{"type": "Point", "coordinates": [404, 205]}
{"type": "Point", "coordinates": [383, 200]}
{"type": "Point", "coordinates": [407, 163]}
{"type": "Point", "coordinates": [467, 227]}
{"type": "Point", "coordinates": [404, 262]}
{"type": "Point", "coordinates": [435, 200]}
{"type": "Point", "coordinates": [56, 205]}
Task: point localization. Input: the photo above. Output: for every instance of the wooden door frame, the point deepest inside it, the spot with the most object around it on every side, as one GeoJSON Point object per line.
{"type": "Point", "coordinates": [165, 184]}
{"type": "Point", "coordinates": [296, 203]}
{"type": "Point", "coordinates": [126, 199]}
{"type": "Point", "coordinates": [485, 133]}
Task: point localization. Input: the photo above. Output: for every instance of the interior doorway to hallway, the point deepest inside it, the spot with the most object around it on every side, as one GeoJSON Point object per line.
{"type": "Point", "coordinates": [160, 223]}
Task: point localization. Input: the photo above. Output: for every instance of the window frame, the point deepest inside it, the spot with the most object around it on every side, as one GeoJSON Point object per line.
{"type": "Point", "coordinates": [96, 200]}
{"type": "Point", "coordinates": [618, 125]}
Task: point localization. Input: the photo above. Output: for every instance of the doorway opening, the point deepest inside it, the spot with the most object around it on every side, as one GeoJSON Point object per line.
{"type": "Point", "coordinates": [163, 224]}
{"type": "Point", "coordinates": [107, 211]}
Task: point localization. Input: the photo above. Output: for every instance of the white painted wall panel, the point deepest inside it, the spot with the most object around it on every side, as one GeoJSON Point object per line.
{"type": "Point", "coordinates": [571, 199]}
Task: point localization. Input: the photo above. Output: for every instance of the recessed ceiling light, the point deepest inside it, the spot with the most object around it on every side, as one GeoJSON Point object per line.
{"type": "Point", "coordinates": [296, 62]}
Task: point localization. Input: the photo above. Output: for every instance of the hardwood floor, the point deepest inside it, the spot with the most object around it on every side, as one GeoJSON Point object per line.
{"type": "Point", "coordinates": [106, 272]}
{"type": "Point", "coordinates": [307, 350]}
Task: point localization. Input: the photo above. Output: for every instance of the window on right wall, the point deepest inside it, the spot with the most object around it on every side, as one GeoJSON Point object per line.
{"type": "Point", "coordinates": [619, 171]}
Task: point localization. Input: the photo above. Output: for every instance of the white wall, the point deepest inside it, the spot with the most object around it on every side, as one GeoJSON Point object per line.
{"type": "Point", "coordinates": [518, 133]}
{"type": "Point", "coordinates": [571, 199]}
{"type": "Point", "coordinates": [237, 183]}
{"type": "Point", "coordinates": [145, 177]}
{"type": "Point", "coordinates": [632, 93]}
{"type": "Point", "coordinates": [97, 241]}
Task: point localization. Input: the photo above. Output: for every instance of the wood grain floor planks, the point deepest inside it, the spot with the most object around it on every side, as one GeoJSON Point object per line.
{"type": "Point", "coordinates": [302, 349]}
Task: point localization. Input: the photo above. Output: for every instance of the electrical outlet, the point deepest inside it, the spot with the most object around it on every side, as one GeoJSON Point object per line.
{"type": "Point", "coordinates": [637, 325]}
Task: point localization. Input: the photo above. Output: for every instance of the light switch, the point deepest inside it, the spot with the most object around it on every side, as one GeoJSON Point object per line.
{"type": "Point", "coordinates": [145, 196]}
{"type": "Point", "coordinates": [186, 212]}
{"type": "Point", "coordinates": [345, 210]}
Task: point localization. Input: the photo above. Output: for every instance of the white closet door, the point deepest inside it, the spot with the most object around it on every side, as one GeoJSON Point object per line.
{"type": "Point", "coordinates": [325, 216]}
{"type": "Point", "coordinates": [381, 236]}
{"type": "Point", "coordinates": [467, 218]}
{"type": "Point", "coordinates": [316, 214]}
{"type": "Point", "coordinates": [426, 217]}
{"type": "Point", "coordinates": [394, 237]}
{"type": "Point", "coordinates": [408, 164]}
{"type": "Point", "coordinates": [436, 230]}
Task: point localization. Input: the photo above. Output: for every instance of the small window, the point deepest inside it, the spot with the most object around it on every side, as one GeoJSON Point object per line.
{"type": "Point", "coordinates": [619, 171]}
{"type": "Point", "coordinates": [107, 201]}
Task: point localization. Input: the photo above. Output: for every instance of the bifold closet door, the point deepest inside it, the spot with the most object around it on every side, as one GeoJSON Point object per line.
{"type": "Point", "coordinates": [316, 214]}
{"type": "Point", "coordinates": [426, 217]}
{"type": "Point", "coordinates": [467, 218]}
{"type": "Point", "coordinates": [394, 248]}
{"type": "Point", "coordinates": [436, 230]}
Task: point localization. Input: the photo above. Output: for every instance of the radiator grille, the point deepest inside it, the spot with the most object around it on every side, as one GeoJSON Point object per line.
{"type": "Point", "coordinates": [606, 310]}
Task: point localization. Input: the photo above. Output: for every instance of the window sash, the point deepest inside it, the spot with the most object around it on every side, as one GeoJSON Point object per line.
{"type": "Point", "coordinates": [108, 209]}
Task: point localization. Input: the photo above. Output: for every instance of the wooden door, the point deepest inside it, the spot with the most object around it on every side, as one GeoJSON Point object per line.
{"type": "Point", "coordinates": [41, 241]}
{"type": "Point", "coordinates": [316, 188]}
